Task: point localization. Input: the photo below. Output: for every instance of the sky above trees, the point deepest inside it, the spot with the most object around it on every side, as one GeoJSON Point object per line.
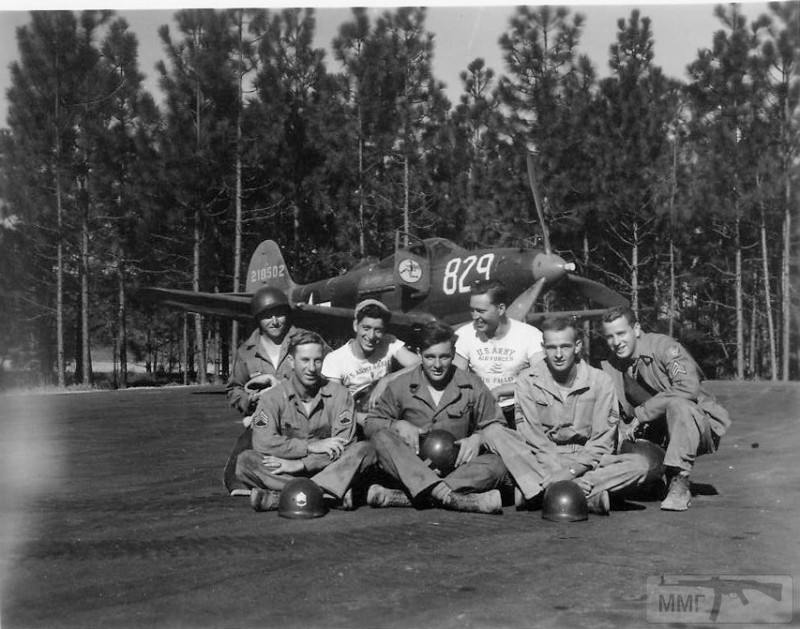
{"type": "Point", "coordinates": [462, 33]}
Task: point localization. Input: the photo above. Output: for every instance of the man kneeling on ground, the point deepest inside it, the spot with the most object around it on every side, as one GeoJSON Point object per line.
{"type": "Point", "coordinates": [662, 399]}
{"type": "Point", "coordinates": [303, 426]}
{"type": "Point", "coordinates": [436, 395]}
{"type": "Point", "coordinates": [567, 416]}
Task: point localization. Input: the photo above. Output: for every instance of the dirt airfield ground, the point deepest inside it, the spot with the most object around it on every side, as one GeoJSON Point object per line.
{"type": "Point", "coordinates": [113, 515]}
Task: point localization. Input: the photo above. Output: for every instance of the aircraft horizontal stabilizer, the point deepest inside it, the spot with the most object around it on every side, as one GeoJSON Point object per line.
{"type": "Point", "coordinates": [234, 305]}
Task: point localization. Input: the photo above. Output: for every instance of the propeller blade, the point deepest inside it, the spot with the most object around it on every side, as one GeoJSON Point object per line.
{"type": "Point", "coordinates": [597, 292]}
{"type": "Point", "coordinates": [538, 201]}
{"type": "Point", "coordinates": [524, 303]}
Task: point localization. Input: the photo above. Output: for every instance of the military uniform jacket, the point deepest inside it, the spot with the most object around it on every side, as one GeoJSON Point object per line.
{"type": "Point", "coordinates": [668, 369]}
{"type": "Point", "coordinates": [466, 405]}
{"type": "Point", "coordinates": [583, 423]}
{"type": "Point", "coordinates": [250, 362]}
{"type": "Point", "coordinates": [283, 428]}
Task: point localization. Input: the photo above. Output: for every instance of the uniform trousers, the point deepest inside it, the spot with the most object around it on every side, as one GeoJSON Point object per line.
{"type": "Point", "coordinates": [614, 472]}
{"type": "Point", "coordinates": [335, 479]}
{"type": "Point", "coordinates": [685, 428]}
{"type": "Point", "coordinates": [398, 460]}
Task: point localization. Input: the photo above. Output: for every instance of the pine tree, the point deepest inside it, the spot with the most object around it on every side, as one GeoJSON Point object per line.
{"type": "Point", "coordinates": [199, 144]}
{"type": "Point", "coordinates": [725, 93]}
{"type": "Point", "coordinates": [780, 52]}
{"type": "Point", "coordinates": [636, 107]}
{"type": "Point", "coordinates": [51, 103]}
{"type": "Point", "coordinates": [547, 95]}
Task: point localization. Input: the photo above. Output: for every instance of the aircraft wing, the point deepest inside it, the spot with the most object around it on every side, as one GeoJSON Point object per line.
{"type": "Point", "coordinates": [333, 318]}
{"type": "Point", "coordinates": [234, 305]}
{"type": "Point", "coordinates": [324, 319]}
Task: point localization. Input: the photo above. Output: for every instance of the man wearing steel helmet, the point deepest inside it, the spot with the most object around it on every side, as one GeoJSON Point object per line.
{"type": "Point", "coordinates": [303, 426]}
{"type": "Point", "coordinates": [261, 361]}
{"type": "Point", "coordinates": [662, 399]}
{"type": "Point", "coordinates": [567, 417]}
{"type": "Point", "coordinates": [264, 352]}
{"type": "Point", "coordinates": [370, 355]}
{"type": "Point", "coordinates": [435, 395]}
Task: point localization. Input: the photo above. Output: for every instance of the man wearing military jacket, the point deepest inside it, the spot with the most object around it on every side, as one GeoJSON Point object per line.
{"type": "Point", "coordinates": [303, 426]}
{"type": "Point", "coordinates": [662, 399]}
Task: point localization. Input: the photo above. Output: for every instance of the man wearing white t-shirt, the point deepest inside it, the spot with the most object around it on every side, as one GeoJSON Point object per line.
{"type": "Point", "coordinates": [365, 359]}
{"type": "Point", "coordinates": [495, 347]}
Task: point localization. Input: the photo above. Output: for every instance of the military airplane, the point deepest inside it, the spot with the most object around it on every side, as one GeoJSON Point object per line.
{"type": "Point", "coordinates": [423, 280]}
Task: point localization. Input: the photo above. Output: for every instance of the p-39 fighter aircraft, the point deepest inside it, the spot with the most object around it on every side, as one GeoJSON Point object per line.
{"type": "Point", "coordinates": [424, 280]}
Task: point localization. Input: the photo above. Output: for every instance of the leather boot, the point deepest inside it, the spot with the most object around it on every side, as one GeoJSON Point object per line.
{"type": "Point", "coordinates": [380, 496]}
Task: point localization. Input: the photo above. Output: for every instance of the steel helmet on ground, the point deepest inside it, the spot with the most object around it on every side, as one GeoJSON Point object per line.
{"type": "Point", "coordinates": [650, 451]}
{"type": "Point", "coordinates": [267, 300]}
{"type": "Point", "coordinates": [564, 501]}
{"type": "Point", "coordinates": [439, 447]}
{"type": "Point", "coordinates": [301, 498]}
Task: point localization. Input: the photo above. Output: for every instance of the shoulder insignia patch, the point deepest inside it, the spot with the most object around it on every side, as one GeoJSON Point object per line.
{"type": "Point", "coordinates": [674, 351]}
{"type": "Point", "coordinates": [262, 419]}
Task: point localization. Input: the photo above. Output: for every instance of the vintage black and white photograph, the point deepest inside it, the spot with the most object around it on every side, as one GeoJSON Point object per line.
{"type": "Point", "coordinates": [389, 317]}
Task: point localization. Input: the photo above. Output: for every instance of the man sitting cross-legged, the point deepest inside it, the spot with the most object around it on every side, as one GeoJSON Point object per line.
{"type": "Point", "coordinates": [567, 417]}
{"type": "Point", "coordinates": [303, 426]}
{"type": "Point", "coordinates": [436, 395]}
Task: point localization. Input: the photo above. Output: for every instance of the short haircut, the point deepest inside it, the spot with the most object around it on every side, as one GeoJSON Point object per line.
{"type": "Point", "coordinates": [305, 338]}
{"type": "Point", "coordinates": [558, 324]}
{"type": "Point", "coordinates": [495, 289]}
{"type": "Point", "coordinates": [374, 311]}
{"type": "Point", "coordinates": [615, 312]}
{"type": "Point", "coordinates": [436, 332]}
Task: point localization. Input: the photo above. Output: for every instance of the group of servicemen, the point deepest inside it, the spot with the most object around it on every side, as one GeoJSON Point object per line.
{"type": "Point", "coordinates": [525, 408]}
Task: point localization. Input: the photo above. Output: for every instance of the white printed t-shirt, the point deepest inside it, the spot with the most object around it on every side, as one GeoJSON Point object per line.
{"type": "Point", "coordinates": [358, 373]}
{"type": "Point", "coordinates": [497, 361]}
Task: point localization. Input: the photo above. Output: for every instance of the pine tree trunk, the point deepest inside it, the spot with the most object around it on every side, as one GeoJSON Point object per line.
{"type": "Point", "coordinates": [773, 359]}
{"type": "Point", "coordinates": [739, 306]}
{"type": "Point", "coordinates": [85, 354]}
{"type": "Point", "coordinates": [198, 319]}
{"type": "Point", "coordinates": [149, 364]}
{"type": "Point", "coordinates": [672, 288]}
{"type": "Point", "coordinates": [122, 333]}
{"type": "Point", "coordinates": [751, 359]}
{"type": "Point", "coordinates": [185, 349]}
{"type": "Point", "coordinates": [635, 270]}
{"type": "Point", "coordinates": [406, 203]}
{"type": "Point", "coordinates": [587, 326]}
{"type": "Point", "coordinates": [237, 239]}
{"type": "Point", "coordinates": [786, 286]}
{"type": "Point", "coordinates": [786, 295]}
{"type": "Point", "coordinates": [60, 361]}
{"type": "Point", "coordinates": [672, 282]}
{"type": "Point", "coordinates": [200, 352]}
{"type": "Point", "coordinates": [362, 241]}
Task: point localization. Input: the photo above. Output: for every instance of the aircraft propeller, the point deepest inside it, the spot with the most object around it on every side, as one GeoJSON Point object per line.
{"type": "Point", "coordinates": [537, 201]}
{"type": "Point", "coordinates": [551, 268]}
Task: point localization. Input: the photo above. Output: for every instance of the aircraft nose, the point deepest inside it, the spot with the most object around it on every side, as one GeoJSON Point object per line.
{"type": "Point", "coordinates": [551, 266]}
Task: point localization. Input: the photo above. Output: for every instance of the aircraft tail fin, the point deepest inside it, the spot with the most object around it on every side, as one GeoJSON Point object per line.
{"type": "Point", "coordinates": [267, 268]}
